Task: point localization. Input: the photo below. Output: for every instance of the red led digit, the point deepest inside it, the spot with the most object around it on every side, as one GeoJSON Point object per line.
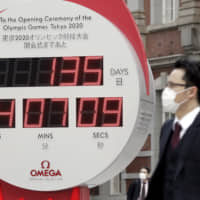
{"type": "Point", "coordinates": [94, 71]}
{"type": "Point", "coordinates": [28, 124]}
{"type": "Point", "coordinates": [71, 71]}
{"type": "Point", "coordinates": [53, 72]}
{"type": "Point", "coordinates": [9, 113]}
{"type": "Point", "coordinates": [87, 113]}
{"type": "Point", "coordinates": [111, 112]}
{"type": "Point", "coordinates": [65, 111]}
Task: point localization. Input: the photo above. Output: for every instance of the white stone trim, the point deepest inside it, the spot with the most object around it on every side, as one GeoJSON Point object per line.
{"type": "Point", "coordinates": [164, 61]}
{"type": "Point", "coordinates": [130, 175]}
{"type": "Point", "coordinates": [144, 154]}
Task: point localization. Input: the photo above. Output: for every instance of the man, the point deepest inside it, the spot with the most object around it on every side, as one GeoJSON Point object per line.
{"type": "Point", "coordinates": [139, 188]}
{"type": "Point", "coordinates": [177, 176]}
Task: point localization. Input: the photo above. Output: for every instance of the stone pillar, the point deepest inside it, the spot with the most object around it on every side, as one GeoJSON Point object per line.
{"type": "Point", "coordinates": [189, 25]}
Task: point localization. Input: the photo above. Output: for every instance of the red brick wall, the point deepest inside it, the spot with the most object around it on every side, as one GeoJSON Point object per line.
{"type": "Point", "coordinates": [147, 145]}
{"type": "Point", "coordinates": [163, 43]}
{"type": "Point", "coordinates": [147, 11]}
{"type": "Point", "coordinates": [137, 164]}
{"type": "Point", "coordinates": [156, 72]}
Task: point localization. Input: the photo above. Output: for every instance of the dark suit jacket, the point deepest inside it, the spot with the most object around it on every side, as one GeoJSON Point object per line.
{"type": "Point", "coordinates": [134, 190]}
{"type": "Point", "coordinates": [187, 174]}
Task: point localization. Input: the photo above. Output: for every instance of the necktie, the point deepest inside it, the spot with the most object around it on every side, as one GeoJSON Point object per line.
{"type": "Point", "coordinates": [143, 191]}
{"type": "Point", "coordinates": [176, 135]}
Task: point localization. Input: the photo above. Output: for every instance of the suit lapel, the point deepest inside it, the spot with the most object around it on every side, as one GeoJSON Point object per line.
{"type": "Point", "coordinates": [166, 132]}
{"type": "Point", "coordinates": [187, 143]}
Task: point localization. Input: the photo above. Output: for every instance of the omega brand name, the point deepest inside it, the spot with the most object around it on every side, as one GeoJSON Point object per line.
{"type": "Point", "coordinates": [45, 170]}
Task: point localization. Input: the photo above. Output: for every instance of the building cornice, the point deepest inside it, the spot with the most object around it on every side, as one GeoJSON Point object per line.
{"type": "Point", "coordinates": [164, 61]}
{"type": "Point", "coordinates": [161, 27]}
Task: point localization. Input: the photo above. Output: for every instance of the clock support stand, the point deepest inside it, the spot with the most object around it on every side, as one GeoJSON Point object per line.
{"type": "Point", "coordinates": [10, 192]}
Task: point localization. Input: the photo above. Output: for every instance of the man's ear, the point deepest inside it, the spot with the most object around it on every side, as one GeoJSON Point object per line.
{"type": "Point", "coordinates": [192, 91]}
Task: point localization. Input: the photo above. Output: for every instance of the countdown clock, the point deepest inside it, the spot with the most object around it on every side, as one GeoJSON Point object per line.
{"type": "Point", "coordinates": [76, 94]}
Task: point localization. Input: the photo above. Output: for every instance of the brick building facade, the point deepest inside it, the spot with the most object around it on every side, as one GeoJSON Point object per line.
{"type": "Point", "coordinates": [170, 29]}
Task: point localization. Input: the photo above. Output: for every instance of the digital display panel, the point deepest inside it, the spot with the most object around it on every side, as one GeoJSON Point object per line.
{"type": "Point", "coordinates": [56, 71]}
{"type": "Point", "coordinates": [91, 112]}
{"type": "Point", "coordinates": [40, 113]}
{"type": "Point", "coordinates": [7, 113]}
{"type": "Point", "coordinates": [97, 112]}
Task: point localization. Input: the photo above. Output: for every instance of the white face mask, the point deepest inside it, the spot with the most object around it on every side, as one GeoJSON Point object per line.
{"type": "Point", "coordinates": [142, 176]}
{"type": "Point", "coordinates": [168, 100]}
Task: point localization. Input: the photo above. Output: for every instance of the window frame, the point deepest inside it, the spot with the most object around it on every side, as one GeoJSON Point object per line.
{"type": "Point", "coordinates": [169, 11]}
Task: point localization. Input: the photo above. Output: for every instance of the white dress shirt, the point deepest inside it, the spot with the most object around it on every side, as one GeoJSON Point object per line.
{"type": "Point", "coordinates": [186, 121]}
{"type": "Point", "coordinates": [146, 189]}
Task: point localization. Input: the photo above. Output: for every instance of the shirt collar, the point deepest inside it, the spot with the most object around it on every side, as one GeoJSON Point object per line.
{"type": "Point", "coordinates": [188, 119]}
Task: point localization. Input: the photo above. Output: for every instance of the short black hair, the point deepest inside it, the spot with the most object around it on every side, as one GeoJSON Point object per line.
{"type": "Point", "coordinates": [191, 66]}
{"type": "Point", "coordinates": [148, 170]}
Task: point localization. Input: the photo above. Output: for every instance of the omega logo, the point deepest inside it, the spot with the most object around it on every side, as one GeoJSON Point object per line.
{"type": "Point", "coordinates": [45, 170]}
{"type": "Point", "coordinates": [45, 164]}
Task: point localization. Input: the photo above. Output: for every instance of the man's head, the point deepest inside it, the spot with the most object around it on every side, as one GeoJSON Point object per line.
{"type": "Point", "coordinates": [184, 86]}
{"type": "Point", "coordinates": [144, 173]}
